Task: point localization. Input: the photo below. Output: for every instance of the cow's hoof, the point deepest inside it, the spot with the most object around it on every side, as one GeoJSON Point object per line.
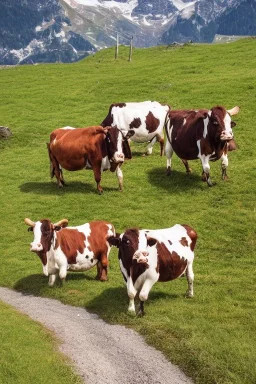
{"type": "Point", "coordinates": [140, 313]}
{"type": "Point", "coordinates": [168, 171]}
{"type": "Point", "coordinates": [189, 170]}
{"type": "Point", "coordinates": [189, 295]}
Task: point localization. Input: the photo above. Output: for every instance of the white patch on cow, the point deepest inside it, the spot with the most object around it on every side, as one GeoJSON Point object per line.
{"type": "Point", "coordinates": [228, 133]}
{"type": "Point", "coordinates": [105, 164]}
{"type": "Point", "coordinates": [184, 121]}
{"type": "Point", "coordinates": [174, 234]}
{"type": "Point", "coordinates": [204, 158]}
{"type": "Point", "coordinates": [206, 121]}
{"type": "Point", "coordinates": [119, 155]}
{"type": "Point", "coordinates": [36, 245]}
{"type": "Point", "coordinates": [123, 117]}
{"type": "Point", "coordinates": [67, 127]}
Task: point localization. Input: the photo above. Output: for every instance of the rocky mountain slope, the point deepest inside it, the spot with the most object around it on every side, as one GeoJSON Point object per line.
{"type": "Point", "coordinates": [67, 30]}
{"type": "Point", "coordinates": [38, 31]}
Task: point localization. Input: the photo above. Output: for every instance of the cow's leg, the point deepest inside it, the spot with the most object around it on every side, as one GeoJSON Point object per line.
{"type": "Point", "coordinates": [131, 293]}
{"type": "Point", "coordinates": [169, 153]}
{"type": "Point", "coordinates": [224, 165]}
{"type": "Point", "coordinates": [52, 279]}
{"type": "Point", "coordinates": [63, 270]}
{"type": "Point", "coordinates": [188, 169]}
{"type": "Point", "coordinates": [144, 292]}
{"type": "Point", "coordinates": [55, 169]}
{"type": "Point", "coordinates": [103, 268]}
{"type": "Point", "coordinates": [150, 145]}
{"type": "Point", "coordinates": [52, 271]}
{"type": "Point", "coordinates": [97, 175]}
{"type": "Point", "coordinates": [206, 170]}
{"type": "Point", "coordinates": [190, 279]}
{"type": "Point", "coordinates": [160, 139]}
{"type": "Point", "coordinates": [119, 175]}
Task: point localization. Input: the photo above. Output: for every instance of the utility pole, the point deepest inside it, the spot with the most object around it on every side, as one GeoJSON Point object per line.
{"type": "Point", "coordinates": [117, 42]}
{"type": "Point", "coordinates": [130, 54]}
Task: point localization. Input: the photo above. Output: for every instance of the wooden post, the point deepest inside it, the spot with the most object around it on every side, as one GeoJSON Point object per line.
{"type": "Point", "coordinates": [117, 42]}
{"type": "Point", "coordinates": [130, 54]}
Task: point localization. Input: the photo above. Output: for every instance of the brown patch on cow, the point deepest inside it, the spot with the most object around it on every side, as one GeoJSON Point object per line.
{"type": "Point", "coordinates": [152, 123]}
{"type": "Point", "coordinates": [136, 123]}
{"type": "Point", "coordinates": [184, 242]}
{"type": "Point", "coordinates": [98, 241]}
{"type": "Point", "coordinates": [206, 148]}
{"type": "Point", "coordinates": [192, 234]}
{"type": "Point", "coordinates": [129, 245]}
{"type": "Point", "coordinates": [70, 241]}
{"type": "Point", "coordinates": [42, 256]}
{"type": "Point", "coordinates": [170, 264]}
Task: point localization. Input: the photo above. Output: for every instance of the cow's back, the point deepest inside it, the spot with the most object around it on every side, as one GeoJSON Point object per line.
{"type": "Point", "coordinates": [73, 147]}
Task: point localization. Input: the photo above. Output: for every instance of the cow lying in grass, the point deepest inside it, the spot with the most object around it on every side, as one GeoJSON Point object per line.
{"type": "Point", "coordinates": [74, 248]}
{"type": "Point", "coordinates": [148, 256]}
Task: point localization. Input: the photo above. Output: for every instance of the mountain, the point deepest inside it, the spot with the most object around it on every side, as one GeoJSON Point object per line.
{"type": "Point", "coordinates": [152, 22]}
{"type": "Point", "coordinates": [66, 30]}
{"type": "Point", "coordinates": [38, 31]}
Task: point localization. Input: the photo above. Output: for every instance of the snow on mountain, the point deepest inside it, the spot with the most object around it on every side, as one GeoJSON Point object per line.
{"type": "Point", "coordinates": [66, 30]}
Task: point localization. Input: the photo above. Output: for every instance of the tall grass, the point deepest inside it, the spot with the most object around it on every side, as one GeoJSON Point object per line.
{"type": "Point", "coordinates": [211, 337]}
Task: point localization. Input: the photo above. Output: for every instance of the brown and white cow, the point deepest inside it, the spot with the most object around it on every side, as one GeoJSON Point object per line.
{"type": "Point", "coordinates": [142, 121]}
{"type": "Point", "coordinates": [203, 134]}
{"type": "Point", "coordinates": [95, 148]}
{"type": "Point", "coordinates": [80, 248]}
{"type": "Point", "coordinates": [148, 256]}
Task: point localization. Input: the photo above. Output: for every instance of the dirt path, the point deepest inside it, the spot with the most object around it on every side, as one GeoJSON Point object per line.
{"type": "Point", "coordinates": [102, 353]}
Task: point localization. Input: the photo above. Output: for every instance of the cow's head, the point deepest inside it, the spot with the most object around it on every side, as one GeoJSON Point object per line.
{"type": "Point", "coordinates": [117, 145]}
{"type": "Point", "coordinates": [220, 124]}
{"type": "Point", "coordinates": [43, 234]}
{"type": "Point", "coordinates": [133, 246]}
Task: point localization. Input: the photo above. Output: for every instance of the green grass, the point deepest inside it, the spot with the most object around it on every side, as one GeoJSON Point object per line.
{"type": "Point", "coordinates": [27, 352]}
{"type": "Point", "coordinates": [211, 337]}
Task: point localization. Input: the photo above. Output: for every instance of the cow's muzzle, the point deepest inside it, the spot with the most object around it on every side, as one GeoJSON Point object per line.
{"type": "Point", "coordinates": [141, 257]}
{"type": "Point", "coordinates": [118, 157]}
{"type": "Point", "coordinates": [36, 247]}
{"type": "Point", "coordinates": [226, 136]}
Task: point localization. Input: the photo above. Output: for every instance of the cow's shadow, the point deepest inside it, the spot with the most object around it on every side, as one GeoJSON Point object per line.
{"type": "Point", "coordinates": [50, 188]}
{"type": "Point", "coordinates": [113, 301]}
{"type": "Point", "coordinates": [37, 284]}
{"type": "Point", "coordinates": [177, 181]}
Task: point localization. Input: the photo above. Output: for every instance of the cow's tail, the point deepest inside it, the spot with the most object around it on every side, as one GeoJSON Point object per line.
{"type": "Point", "coordinates": [51, 163]}
{"type": "Point", "coordinates": [166, 126]}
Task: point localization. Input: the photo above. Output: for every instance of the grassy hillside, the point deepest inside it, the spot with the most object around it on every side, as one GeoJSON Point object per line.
{"type": "Point", "coordinates": [212, 336]}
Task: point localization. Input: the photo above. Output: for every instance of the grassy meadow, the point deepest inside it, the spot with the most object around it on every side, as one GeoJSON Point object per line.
{"type": "Point", "coordinates": [212, 336]}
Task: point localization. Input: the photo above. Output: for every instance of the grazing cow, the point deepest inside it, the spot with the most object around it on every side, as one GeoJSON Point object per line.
{"type": "Point", "coordinates": [143, 121]}
{"type": "Point", "coordinates": [95, 148]}
{"type": "Point", "coordinates": [148, 256]}
{"type": "Point", "coordinates": [203, 134]}
{"type": "Point", "coordinates": [74, 248]}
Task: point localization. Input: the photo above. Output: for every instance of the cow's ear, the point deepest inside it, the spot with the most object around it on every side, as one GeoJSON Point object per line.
{"type": "Point", "coordinates": [115, 240]}
{"type": "Point", "coordinates": [30, 229]}
{"type": "Point", "coordinates": [130, 133]}
{"type": "Point", "coordinates": [151, 241]}
{"type": "Point", "coordinates": [233, 124]}
{"type": "Point", "coordinates": [202, 115]}
{"type": "Point", "coordinates": [57, 228]}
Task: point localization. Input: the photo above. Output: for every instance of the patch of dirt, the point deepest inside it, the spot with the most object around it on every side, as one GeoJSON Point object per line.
{"type": "Point", "coordinates": [101, 353]}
